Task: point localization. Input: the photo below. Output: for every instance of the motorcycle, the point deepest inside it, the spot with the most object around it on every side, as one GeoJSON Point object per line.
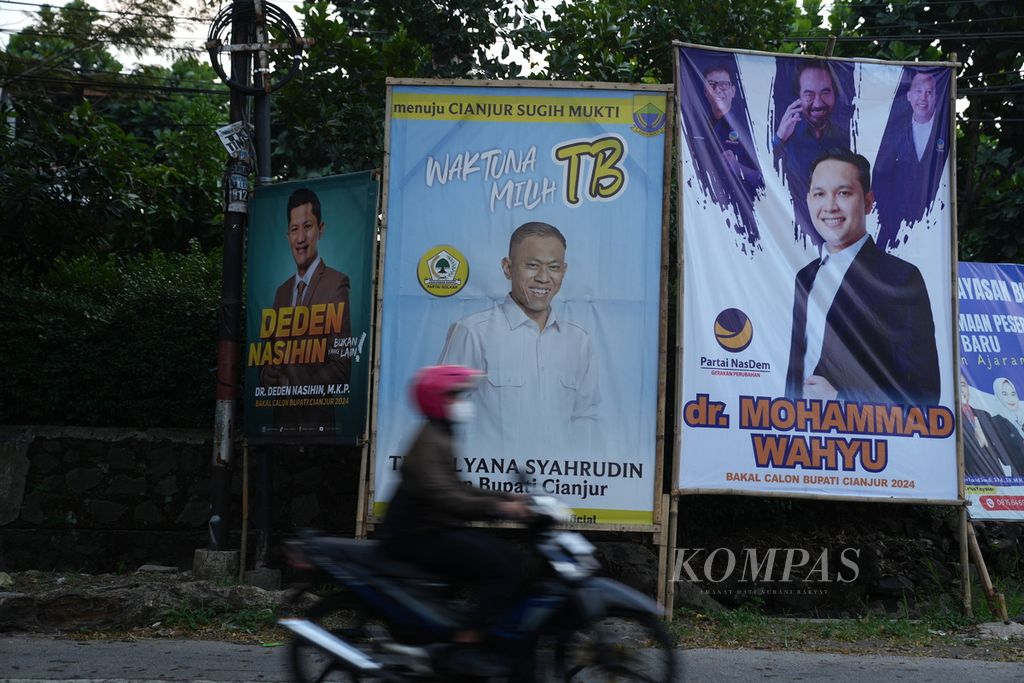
{"type": "Point", "coordinates": [393, 621]}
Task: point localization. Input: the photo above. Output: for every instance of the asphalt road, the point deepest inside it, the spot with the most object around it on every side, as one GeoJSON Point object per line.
{"type": "Point", "coordinates": [29, 659]}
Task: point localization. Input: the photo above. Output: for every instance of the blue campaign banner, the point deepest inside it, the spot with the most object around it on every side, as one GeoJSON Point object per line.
{"type": "Point", "coordinates": [309, 299]}
{"type": "Point", "coordinates": [523, 238]}
{"type": "Point", "coordinates": [991, 323]}
{"type": "Point", "coordinates": [817, 322]}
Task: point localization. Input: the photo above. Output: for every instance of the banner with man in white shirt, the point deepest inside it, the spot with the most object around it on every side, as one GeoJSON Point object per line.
{"type": "Point", "coordinates": [817, 356]}
{"type": "Point", "coordinates": [524, 233]}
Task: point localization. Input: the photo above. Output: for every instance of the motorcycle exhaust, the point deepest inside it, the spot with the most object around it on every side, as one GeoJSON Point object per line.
{"type": "Point", "coordinates": [331, 643]}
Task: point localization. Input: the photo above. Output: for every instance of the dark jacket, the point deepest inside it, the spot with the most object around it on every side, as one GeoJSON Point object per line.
{"type": "Point", "coordinates": [431, 494]}
{"type": "Point", "coordinates": [879, 344]}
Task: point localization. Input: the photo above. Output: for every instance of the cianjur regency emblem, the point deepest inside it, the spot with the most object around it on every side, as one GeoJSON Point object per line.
{"type": "Point", "coordinates": [443, 270]}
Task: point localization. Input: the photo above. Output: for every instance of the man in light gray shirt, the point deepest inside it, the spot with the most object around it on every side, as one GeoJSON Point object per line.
{"type": "Point", "coordinates": [540, 390]}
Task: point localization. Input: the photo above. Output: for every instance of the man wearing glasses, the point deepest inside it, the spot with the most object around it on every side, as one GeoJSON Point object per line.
{"type": "Point", "coordinates": [720, 89]}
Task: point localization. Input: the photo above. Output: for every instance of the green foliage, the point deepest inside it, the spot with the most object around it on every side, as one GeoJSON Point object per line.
{"type": "Point", "coordinates": [990, 140]}
{"type": "Point", "coordinates": [105, 341]}
{"type": "Point", "coordinates": [330, 119]}
{"type": "Point", "coordinates": [101, 173]}
{"type": "Point", "coordinates": [625, 41]}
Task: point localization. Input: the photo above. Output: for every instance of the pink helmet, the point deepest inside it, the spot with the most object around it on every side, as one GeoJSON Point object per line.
{"type": "Point", "coordinates": [434, 387]}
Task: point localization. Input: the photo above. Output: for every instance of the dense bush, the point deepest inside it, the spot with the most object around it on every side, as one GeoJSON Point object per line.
{"type": "Point", "coordinates": [112, 342]}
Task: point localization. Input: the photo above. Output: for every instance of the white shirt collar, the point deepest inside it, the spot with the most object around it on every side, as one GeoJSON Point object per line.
{"type": "Point", "coordinates": [516, 317]}
{"type": "Point", "coordinates": [843, 257]}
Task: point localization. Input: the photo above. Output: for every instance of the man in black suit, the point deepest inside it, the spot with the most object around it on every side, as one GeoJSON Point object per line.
{"type": "Point", "coordinates": [913, 153]}
{"type": "Point", "coordinates": [862, 322]}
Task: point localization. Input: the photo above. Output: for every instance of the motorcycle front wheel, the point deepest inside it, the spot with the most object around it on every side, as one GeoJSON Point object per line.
{"type": "Point", "coordinates": [312, 664]}
{"type": "Point", "coordinates": [634, 647]}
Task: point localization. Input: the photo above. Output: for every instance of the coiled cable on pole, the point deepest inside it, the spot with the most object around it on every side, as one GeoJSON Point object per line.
{"type": "Point", "coordinates": [287, 52]}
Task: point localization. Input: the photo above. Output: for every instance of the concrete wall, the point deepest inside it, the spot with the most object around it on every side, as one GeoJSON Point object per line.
{"type": "Point", "coordinates": [110, 499]}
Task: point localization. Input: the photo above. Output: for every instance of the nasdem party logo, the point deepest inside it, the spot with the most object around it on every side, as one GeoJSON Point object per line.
{"type": "Point", "coordinates": [733, 330]}
{"type": "Point", "coordinates": [443, 270]}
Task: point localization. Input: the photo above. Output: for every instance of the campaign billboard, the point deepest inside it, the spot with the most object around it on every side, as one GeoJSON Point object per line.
{"type": "Point", "coordinates": [524, 230]}
{"type": "Point", "coordinates": [309, 297]}
{"type": "Point", "coordinates": [991, 325]}
{"type": "Point", "coordinates": [817, 335]}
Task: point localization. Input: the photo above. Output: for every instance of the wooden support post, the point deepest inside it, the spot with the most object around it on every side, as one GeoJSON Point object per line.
{"type": "Point", "coordinates": [245, 511]}
{"type": "Point", "coordinates": [996, 601]}
{"type": "Point", "coordinates": [661, 538]}
{"type": "Point", "coordinates": [830, 46]}
{"type": "Point", "coordinates": [670, 564]}
{"type": "Point", "coordinates": [361, 508]}
{"type": "Point", "coordinates": [965, 569]}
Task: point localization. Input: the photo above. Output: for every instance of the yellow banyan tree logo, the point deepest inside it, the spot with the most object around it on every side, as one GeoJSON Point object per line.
{"type": "Point", "coordinates": [443, 270]}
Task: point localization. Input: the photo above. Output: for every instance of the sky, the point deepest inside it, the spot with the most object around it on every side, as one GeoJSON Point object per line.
{"type": "Point", "coordinates": [18, 14]}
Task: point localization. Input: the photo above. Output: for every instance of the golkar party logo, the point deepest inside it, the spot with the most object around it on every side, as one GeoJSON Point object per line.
{"type": "Point", "coordinates": [648, 114]}
{"type": "Point", "coordinates": [442, 270]}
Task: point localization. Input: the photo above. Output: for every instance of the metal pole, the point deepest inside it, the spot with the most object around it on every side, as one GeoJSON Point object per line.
{"type": "Point", "coordinates": [229, 329]}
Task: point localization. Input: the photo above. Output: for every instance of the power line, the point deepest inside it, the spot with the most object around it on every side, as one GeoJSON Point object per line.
{"type": "Point", "coordinates": [30, 33]}
{"type": "Point", "coordinates": [85, 71]}
{"type": "Point", "coordinates": [122, 86]}
{"type": "Point", "coordinates": [923, 4]}
{"type": "Point", "coordinates": [913, 24]}
{"type": "Point", "coordinates": [93, 10]}
{"type": "Point", "coordinates": [112, 41]}
{"type": "Point", "coordinates": [913, 36]}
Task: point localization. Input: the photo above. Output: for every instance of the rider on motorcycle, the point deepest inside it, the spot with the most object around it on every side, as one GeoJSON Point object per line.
{"type": "Point", "coordinates": [426, 522]}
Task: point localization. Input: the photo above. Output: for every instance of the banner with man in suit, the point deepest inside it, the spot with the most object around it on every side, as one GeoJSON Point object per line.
{"type": "Point", "coordinates": [817, 355]}
{"type": "Point", "coordinates": [309, 298]}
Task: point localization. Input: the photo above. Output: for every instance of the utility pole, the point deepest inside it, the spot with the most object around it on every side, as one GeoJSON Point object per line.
{"type": "Point", "coordinates": [248, 21]}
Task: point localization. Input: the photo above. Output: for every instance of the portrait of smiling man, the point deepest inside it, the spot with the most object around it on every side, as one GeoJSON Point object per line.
{"type": "Point", "coordinates": [862, 322]}
{"type": "Point", "coordinates": [540, 386]}
{"type": "Point", "coordinates": [806, 130]}
{"type": "Point", "coordinates": [312, 283]}
{"type": "Point", "coordinates": [913, 151]}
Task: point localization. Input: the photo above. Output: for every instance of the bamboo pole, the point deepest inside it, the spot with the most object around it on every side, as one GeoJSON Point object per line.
{"type": "Point", "coordinates": [566, 85]}
{"type": "Point", "coordinates": [670, 565]}
{"type": "Point", "coordinates": [996, 601]}
{"type": "Point", "coordinates": [763, 53]}
{"type": "Point", "coordinates": [245, 511]}
{"type": "Point", "coordinates": [361, 511]}
{"type": "Point", "coordinates": [817, 496]}
{"type": "Point", "coordinates": [965, 570]}
{"type": "Point", "coordinates": [662, 581]}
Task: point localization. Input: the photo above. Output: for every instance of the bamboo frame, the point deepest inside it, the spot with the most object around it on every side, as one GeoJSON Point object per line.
{"type": "Point", "coordinates": [859, 60]}
{"type": "Point", "coordinates": [245, 512]}
{"type": "Point", "coordinates": [965, 572]}
{"type": "Point", "coordinates": [368, 486]}
{"type": "Point", "coordinates": [996, 600]}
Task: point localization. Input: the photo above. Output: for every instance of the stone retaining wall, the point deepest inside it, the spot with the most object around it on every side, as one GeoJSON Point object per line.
{"type": "Point", "coordinates": [108, 499]}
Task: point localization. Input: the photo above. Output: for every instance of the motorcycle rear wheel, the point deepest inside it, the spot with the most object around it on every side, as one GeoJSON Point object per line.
{"type": "Point", "coordinates": [629, 647]}
{"type": "Point", "coordinates": [310, 664]}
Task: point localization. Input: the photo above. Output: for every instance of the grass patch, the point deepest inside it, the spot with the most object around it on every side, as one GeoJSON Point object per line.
{"type": "Point", "coordinates": [250, 620]}
{"type": "Point", "coordinates": [187, 616]}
